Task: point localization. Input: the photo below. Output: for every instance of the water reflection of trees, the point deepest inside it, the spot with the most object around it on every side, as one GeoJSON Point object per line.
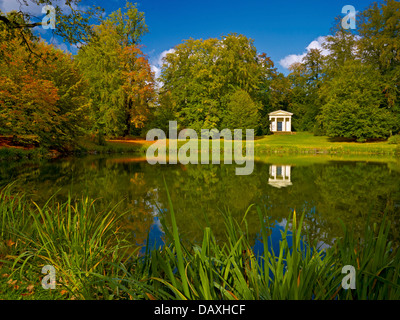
{"type": "Point", "coordinates": [200, 193]}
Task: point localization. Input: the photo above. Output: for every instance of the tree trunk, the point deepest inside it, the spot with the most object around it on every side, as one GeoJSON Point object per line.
{"type": "Point", "coordinates": [128, 117]}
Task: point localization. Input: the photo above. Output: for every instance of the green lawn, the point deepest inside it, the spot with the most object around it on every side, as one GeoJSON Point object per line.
{"type": "Point", "coordinates": [305, 142]}
{"type": "Point", "coordinates": [299, 143]}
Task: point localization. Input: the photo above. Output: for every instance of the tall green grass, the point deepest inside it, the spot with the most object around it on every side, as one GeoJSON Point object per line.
{"type": "Point", "coordinates": [93, 260]}
{"type": "Point", "coordinates": [73, 237]}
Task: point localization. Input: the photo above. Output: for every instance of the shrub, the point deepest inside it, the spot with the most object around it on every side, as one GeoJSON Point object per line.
{"type": "Point", "coordinates": [394, 139]}
{"type": "Point", "coordinates": [318, 130]}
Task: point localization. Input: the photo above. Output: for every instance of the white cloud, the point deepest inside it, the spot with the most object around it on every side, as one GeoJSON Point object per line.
{"type": "Point", "coordinates": [290, 59]}
{"type": "Point", "coordinates": [157, 63]}
{"type": "Point", "coordinates": [317, 44]}
{"type": "Point", "coordinates": [156, 70]}
{"type": "Point", "coordinates": [293, 58]}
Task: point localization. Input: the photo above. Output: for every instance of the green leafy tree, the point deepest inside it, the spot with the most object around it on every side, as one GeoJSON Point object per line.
{"type": "Point", "coordinates": [379, 46]}
{"type": "Point", "coordinates": [242, 112]}
{"type": "Point", "coordinates": [303, 83]}
{"type": "Point", "coordinates": [354, 104]}
{"type": "Point", "coordinates": [201, 75]}
{"type": "Point", "coordinates": [379, 31]}
{"type": "Point", "coordinates": [342, 47]}
{"type": "Point", "coordinates": [299, 99]}
{"type": "Point", "coordinates": [121, 84]}
{"type": "Point", "coordinates": [163, 111]}
{"type": "Point", "coordinates": [72, 22]}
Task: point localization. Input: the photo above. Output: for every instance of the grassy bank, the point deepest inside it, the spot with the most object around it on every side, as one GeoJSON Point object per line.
{"type": "Point", "coordinates": [93, 260]}
{"type": "Point", "coordinates": [299, 143]}
{"type": "Point", "coordinates": [305, 142]}
{"type": "Point", "coordinates": [85, 147]}
{"type": "Point", "coordinates": [114, 146]}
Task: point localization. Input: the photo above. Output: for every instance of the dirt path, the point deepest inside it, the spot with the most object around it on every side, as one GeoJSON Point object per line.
{"type": "Point", "coordinates": [131, 141]}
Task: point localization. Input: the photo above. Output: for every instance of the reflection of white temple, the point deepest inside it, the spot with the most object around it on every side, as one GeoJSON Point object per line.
{"type": "Point", "coordinates": [279, 176]}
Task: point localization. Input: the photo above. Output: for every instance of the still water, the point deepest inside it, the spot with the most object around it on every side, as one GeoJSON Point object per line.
{"type": "Point", "coordinates": [328, 189]}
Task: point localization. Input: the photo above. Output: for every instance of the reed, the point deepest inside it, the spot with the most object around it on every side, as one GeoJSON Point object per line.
{"type": "Point", "coordinates": [73, 237]}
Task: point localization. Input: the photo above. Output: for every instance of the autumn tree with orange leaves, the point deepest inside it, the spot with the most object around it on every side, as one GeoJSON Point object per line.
{"type": "Point", "coordinates": [41, 96]}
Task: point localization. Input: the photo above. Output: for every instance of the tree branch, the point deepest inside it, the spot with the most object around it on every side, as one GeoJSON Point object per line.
{"type": "Point", "coordinates": [14, 25]}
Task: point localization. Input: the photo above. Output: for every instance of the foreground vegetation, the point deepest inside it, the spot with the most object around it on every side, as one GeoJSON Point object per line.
{"type": "Point", "coordinates": [94, 260]}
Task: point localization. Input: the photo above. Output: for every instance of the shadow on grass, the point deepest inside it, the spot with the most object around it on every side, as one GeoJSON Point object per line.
{"type": "Point", "coordinates": [342, 139]}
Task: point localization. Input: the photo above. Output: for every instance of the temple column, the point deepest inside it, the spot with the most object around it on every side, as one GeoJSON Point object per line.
{"type": "Point", "coordinates": [287, 172]}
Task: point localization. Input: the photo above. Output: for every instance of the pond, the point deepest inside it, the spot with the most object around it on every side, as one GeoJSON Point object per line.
{"type": "Point", "coordinates": [327, 189]}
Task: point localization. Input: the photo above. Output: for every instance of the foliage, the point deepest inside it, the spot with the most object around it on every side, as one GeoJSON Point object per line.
{"type": "Point", "coordinates": [164, 110]}
{"type": "Point", "coordinates": [201, 75]}
{"type": "Point", "coordinates": [305, 81]}
{"type": "Point", "coordinates": [374, 45]}
{"type": "Point", "coordinates": [42, 96]}
{"type": "Point", "coordinates": [102, 268]}
{"type": "Point", "coordinates": [379, 47]}
{"type": "Point", "coordinates": [394, 139]}
{"type": "Point", "coordinates": [119, 75]}
{"type": "Point", "coordinates": [73, 22]}
{"type": "Point", "coordinates": [353, 104]}
{"type": "Point", "coordinates": [73, 237]}
{"type": "Point", "coordinates": [241, 112]}
{"type": "Point", "coordinates": [341, 47]}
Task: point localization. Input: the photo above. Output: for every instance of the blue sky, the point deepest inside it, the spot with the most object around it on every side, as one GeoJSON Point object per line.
{"type": "Point", "coordinates": [282, 29]}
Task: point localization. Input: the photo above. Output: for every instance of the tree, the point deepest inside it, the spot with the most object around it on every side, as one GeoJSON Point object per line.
{"type": "Point", "coordinates": [72, 23]}
{"type": "Point", "coordinates": [354, 104]}
{"type": "Point", "coordinates": [242, 112]}
{"type": "Point", "coordinates": [304, 82]}
{"type": "Point", "coordinates": [299, 100]}
{"type": "Point", "coordinates": [380, 47]}
{"type": "Point", "coordinates": [373, 52]}
{"type": "Point", "coordinates": [121, 83]}
{"type": "Point", "coordinates": [201, 75]}
{"type": "Point", "coordinates": [163, 112]}
{"type": "Point", "coordinates": [314, 62]}
{"type": "Point", "coordinates": [280, 92]}
{"type": "Point", "coordinates": [342, 47]}
{"type": "Point", "coordinates": [379, 31]}
{"type": "Point", "coordinates": [40, 97]}
{"type": "Point", "coordinates": [130, 25]}
{"type": "Point", "coordinates": [265, 93]}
